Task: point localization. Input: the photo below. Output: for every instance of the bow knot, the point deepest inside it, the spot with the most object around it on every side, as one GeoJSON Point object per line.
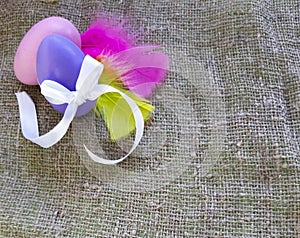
{"type": "Point", "coordinates": [86, 85]}
{"type": "Point", "coordinates": [79, 99]}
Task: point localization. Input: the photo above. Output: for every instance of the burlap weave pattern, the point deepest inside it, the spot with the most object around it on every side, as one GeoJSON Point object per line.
{"type": "Point", "coordinates": [223, 157]}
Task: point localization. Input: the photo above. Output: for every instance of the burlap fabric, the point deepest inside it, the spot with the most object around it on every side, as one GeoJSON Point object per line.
{"type": "Point", "coordinates": [220, 157]}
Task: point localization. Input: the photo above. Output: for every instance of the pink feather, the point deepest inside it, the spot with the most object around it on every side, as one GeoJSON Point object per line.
{"type": "Point", "coordinates": [105, 37]}
{"type": "Point", "coordinates": [143, 56]}
{"type": "Point", "coordinates": [147, 68]}
{"type": "Point", "coordinates": [142, 67]}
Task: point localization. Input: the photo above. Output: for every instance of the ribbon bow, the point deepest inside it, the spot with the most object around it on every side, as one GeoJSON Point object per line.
{"type": "Point", "coordinates": [87, 88]}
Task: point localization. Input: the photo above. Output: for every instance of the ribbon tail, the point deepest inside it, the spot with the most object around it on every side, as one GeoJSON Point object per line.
{"type": "Point", "coordinates": [28, 118]}
{"type": "Point", "coordinates": [29, 122]}
{"type": "Point", "coordinates": [139, 122]}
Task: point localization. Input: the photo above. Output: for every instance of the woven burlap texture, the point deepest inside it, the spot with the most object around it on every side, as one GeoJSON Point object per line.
{"type": "Point", "coordinates": [220, 157]}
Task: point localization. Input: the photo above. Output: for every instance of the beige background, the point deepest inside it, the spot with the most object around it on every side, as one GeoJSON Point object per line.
{"type": "Point", "coordinates": [221, 158]}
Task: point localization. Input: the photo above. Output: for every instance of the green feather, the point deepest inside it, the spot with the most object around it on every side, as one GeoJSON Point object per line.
{"type": "Point", "coordinates": [117, 113]}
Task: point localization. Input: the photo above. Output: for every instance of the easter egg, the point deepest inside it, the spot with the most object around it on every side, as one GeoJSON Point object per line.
{"type": "Point", "coordinates": [60, 60]}
{"type": "Point", "coordinates": [25, 58]}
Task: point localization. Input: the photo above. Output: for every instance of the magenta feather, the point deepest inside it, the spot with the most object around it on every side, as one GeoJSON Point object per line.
{"type": "Point", "coordinates": [105, 37]}
{"type": "Point", "coordinates": [142, 68]}
{"type": "Point", "coordinates": [143, 56]}
{"type": "Point", "coordinates": [147, 68]}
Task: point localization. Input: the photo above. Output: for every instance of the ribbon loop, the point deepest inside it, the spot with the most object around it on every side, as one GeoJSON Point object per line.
{"type": "Point", "coordinates": [56, 93]}
{"type": "Point", "coordinates": [139, 124]}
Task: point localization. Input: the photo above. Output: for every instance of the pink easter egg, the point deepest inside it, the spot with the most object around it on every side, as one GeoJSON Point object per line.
{"type": "Point", "coordinates": [25, 58]}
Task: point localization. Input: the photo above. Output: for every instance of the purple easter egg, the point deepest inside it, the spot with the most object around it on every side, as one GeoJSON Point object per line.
{"type": "Point", "coordinates": [60, 60]}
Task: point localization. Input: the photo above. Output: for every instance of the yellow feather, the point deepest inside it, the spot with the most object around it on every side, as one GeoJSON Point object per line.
{"type": "Point", "coordinates": [117, 113]}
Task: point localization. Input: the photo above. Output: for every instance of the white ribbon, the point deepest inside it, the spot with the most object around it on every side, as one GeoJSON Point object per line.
{"type": "Point", "coordinates": [87, 88]}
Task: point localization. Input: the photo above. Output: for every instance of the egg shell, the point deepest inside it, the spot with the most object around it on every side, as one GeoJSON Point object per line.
{"type": "Point", "coordinates": [60, 60]}
{"type": "Point", "coordinates": [25, 58]}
